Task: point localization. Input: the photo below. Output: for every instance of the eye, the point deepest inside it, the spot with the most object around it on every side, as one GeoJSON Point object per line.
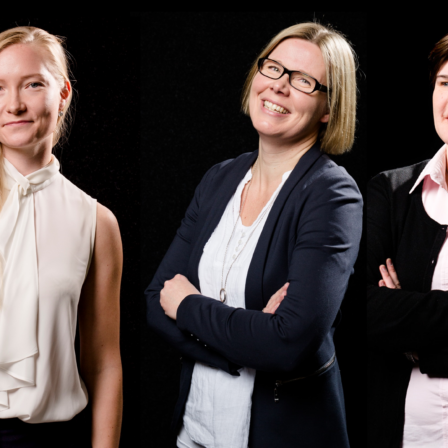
{"type": "Point", "coordinates": [274, 68]}
{"type": "Point", "coordinates": [302, 80]}
{"type": "Point", "coordinates": [35, 85]}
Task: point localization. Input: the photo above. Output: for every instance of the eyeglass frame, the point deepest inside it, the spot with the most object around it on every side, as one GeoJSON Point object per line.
{"type": "Point", "coordinates": [318, 85]}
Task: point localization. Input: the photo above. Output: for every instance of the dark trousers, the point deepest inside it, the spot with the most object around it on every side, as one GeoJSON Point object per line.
{"type": "Point", "coordinates": [75, 433]}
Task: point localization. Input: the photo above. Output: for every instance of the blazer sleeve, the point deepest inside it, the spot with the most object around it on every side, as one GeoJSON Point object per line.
{"type": "Point", "coordinates": [325, 250]}
{"type": "Point", "coordinates": [175, 262]}
{"type": "Point", "coordinates": [397, 320]}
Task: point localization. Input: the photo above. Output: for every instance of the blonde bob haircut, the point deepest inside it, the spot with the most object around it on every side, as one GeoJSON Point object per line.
{"type": "Point", "coordinates": [336, 136]}
{"type": "Point", "coordinates": [57, 60]}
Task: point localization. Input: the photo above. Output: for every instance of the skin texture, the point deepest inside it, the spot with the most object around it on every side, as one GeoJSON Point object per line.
{"type": "Point", "coordinates": [283, 139]}
{"type": "Point", "coordinates": [440, 104]}
{"type": "Point", "coordinates": [30, 93]}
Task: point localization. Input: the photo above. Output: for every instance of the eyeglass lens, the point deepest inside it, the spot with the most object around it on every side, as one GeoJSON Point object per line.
{"type": "Point", "coordinates": [298, 80]}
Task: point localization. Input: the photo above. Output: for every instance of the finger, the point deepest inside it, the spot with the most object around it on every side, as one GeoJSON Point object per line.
{"type": "Point", "coordinates": [275, 308]}
{"type": "Point", "coordinates": [386, 277]}
{"type": "Point", "coordinates": [392, 272]}
{"type": "Point", "coordinates": [381, 283]}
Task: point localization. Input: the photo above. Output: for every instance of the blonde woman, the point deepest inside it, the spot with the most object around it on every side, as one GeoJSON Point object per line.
{"type": "Point", "coordinates": [251, 287]}
{"type": "Point", "coordinates": [60, 257]}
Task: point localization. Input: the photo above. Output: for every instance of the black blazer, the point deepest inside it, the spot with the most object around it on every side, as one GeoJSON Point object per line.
{"type": "Point", "coordinates": [414, 318]}
{"type": "Point", "coordinates": [311, 239]}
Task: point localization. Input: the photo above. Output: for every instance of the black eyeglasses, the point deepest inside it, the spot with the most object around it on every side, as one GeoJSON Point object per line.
{"type": "Point", "coordinates": [300, 81]}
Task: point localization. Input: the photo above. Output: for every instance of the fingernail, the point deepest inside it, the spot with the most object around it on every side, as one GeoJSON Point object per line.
{"type": "Point", "coordinates": [382, 267]}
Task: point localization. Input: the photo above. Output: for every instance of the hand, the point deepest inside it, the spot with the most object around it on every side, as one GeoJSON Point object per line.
{"type": "Point", "coordinates": [276, 299]}
{"type": "Point", "coordinates": [173, 292]}
{"type": "Point", "coordinates": [389, 275]}
{"type": "Point", "coordinates": [390, 279]}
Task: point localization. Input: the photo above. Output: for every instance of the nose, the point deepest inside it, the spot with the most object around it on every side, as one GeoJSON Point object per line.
{"type": "Point", "coordinates": [281, 85]}
{"type": "Point", "coordinates": [15, 104]}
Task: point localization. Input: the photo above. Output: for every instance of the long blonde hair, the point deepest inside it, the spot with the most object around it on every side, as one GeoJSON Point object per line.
{"type": "Point", "coordinates": [337, 136]}
{"type": "Point", "coordinates": [58, 64]}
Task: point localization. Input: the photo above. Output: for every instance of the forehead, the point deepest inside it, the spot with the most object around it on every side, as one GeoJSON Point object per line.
{"type": "Point", "coordinates": [443, 70]}
{"type": "Point", "coordinates": [299, 54]}
{"type": "Point", "coordinates": [21, 60]}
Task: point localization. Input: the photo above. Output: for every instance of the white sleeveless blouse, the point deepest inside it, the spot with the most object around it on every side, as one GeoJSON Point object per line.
{"type": "Point", "coordinates": [47, 234]}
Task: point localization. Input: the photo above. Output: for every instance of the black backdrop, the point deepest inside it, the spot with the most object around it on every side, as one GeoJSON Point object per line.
{"type": "Point", "coordinates": [193, 69]}
{"type": "Point", "coordinates": [401, 125]}
{"type": "Point", "coordinates": [102, 155]}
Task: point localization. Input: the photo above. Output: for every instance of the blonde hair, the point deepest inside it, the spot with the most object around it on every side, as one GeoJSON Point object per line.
{"type": "Point", "coordinates": [336, 136]}
{"type": "Point", "coordinates": [57, 59]}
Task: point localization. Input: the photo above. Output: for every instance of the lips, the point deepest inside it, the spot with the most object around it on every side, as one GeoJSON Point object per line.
{"type": "Point", "coordinates": [17, 123]}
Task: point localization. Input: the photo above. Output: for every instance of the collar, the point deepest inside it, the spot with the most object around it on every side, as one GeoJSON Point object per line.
{"type": "Point", "coordinates": [435, 169]}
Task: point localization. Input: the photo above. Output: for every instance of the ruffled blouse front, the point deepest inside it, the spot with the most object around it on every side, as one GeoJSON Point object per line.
{"type": "Point", "coordinates": [47, 228]}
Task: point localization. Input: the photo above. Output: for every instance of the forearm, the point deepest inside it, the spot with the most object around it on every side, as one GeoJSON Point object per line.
{"type": "Point", "coordinates": [251, 338]}
{"type": "Point", "coordinates": [105, 394]}
{"type": "Point", "coordinates": [401, 321]}
{"type": "Point", "coordinates": [187, 344]}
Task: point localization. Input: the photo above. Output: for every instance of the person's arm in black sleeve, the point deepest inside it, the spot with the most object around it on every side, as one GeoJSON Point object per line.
{"type": "Point", "coordinates": [175, 262]}
{"type": "Point", "coordinates": [397, 320]}
{"type": "Point", "coordinates": [325, 250]}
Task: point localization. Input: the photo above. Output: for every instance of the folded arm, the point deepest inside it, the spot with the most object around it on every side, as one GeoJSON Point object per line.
{"type": "Point", "coordinates": [176, 262]}
{"type": "Point", "coordinates": [397, 320]}
{"type": "Point", "coordinates": [325, 250]}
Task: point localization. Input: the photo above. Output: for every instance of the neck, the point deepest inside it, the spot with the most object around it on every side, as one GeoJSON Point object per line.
{"type": "Point", "coordinates": [27, 161]}
{"type": "Point", "coordinates": [275, 160]}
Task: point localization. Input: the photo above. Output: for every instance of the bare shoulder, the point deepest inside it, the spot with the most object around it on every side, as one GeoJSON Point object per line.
{"type": "Point", "coordinates": [108, 238]}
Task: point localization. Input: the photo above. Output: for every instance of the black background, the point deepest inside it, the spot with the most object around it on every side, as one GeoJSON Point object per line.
{"type": "Point", "coordinates": [400, 120]}
{"type": "Point", "coordinates": [193, 69]}
{"type": "Point", "coordinates": [102, 156]}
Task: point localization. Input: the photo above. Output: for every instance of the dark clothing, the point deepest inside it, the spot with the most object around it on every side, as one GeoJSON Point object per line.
{"type": "Point", "coordinates": [398, 321]}
{"type": "Point", "coordinates": [75, 433]}
{"type": "Point", "coordinates": [310, 239]}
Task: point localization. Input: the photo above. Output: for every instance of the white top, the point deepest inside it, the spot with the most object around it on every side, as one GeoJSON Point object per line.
{"type": "Point", "coordinates": [217, 412]}
{"type": "Point", "coordinates": [426, 417]}
{"type": "Point", "coordinates": [47, 233]}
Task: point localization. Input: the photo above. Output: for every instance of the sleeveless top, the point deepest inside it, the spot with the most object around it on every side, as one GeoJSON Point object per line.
{"type": "Point", "coordinates": [47, 234]}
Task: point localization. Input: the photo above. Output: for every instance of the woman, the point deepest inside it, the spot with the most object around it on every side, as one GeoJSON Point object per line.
{"type": "Point", "coordinates": [58, 247]}
{"type": "Point", "coordinates": [269, 240]}
{"type": "Point", "coordinates": [407, 300]}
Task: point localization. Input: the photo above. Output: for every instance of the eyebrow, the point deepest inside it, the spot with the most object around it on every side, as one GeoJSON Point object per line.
{"type": "Point", "coordinates": [33, 75]}
{"type": "Point", "coordinates": [293, 70]}
{"type": "Point", "coordinates": [442, 76]}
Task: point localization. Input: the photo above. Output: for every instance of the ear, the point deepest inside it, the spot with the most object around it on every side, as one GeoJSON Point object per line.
{"type": "Point", "coordinates": [325, 117]}
{"type": "Point", "coordinates": [65, 93]}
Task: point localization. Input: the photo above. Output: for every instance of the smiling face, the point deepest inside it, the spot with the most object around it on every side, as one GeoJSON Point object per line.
{"type": "Point", "coordinates": [277, 110]}
{"type": "Point", "coordinates": [440, 103]}
{"type": "Point", "coordinates": [30, 99]}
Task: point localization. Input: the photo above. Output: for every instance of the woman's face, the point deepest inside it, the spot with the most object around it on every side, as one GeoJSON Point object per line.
{"type": "Point", "coordinates": [304, 112]}
{"type": "Point", "coordinates": [30, 99]}
{"type": "Point", "coordinates": [440, 103]}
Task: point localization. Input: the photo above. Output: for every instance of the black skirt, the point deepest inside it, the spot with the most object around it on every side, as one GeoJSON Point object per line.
{"type": "Point", "coordinates": [75, 433]}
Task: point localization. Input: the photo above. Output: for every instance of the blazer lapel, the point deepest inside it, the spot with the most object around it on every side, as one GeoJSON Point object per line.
{"type": "Point", "coordinates": [229, 179]}
{"type": "Point", "coordinates": [254, 281]}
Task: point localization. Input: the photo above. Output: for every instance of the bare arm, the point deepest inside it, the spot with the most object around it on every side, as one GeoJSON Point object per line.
{"type": "Point", "coordinates": [99, 325]}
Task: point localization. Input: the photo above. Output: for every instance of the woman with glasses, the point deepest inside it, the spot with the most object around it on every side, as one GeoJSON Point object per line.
{"type": "Point", "coordinates": [250, 289]}
{"type": "Point", "coordinates": [407, 311]}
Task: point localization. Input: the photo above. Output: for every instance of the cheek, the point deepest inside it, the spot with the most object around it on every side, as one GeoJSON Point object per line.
{"type": "Point", "coordinates": [259, 84]}
{"type": "Point", "coordinates": [46, 111]}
